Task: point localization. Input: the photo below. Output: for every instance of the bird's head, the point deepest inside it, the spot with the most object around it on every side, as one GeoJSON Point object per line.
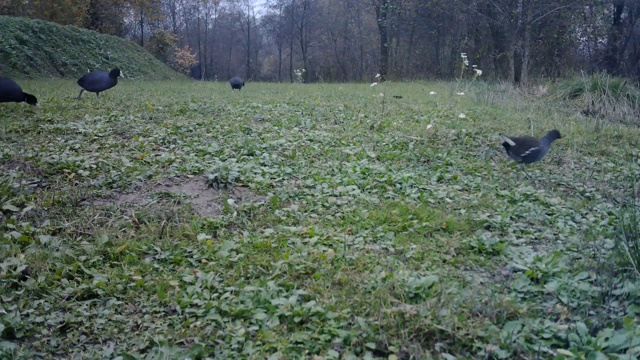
{"type": "Point", "coordinates": [115, 73]}
{"type": "Point", "coordinates": [553, 134]}
{"type": "Point", "coordinates": [30, 99]}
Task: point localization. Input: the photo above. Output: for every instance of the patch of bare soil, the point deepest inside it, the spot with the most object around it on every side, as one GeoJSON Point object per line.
{"type": "Point", "coordinates": [24, 166]}
{"type": "Point", "coordinates": [203, 199]}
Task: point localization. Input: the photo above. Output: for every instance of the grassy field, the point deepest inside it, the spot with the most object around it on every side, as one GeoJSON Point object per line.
{"type": "Point", "coordinates": [286, 221]}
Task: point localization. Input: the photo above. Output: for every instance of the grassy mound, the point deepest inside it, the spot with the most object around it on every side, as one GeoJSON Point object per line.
{"type": "Point", "coordinates": [37, 48]}
{"type": "Point", "coordinates": [601, 95]}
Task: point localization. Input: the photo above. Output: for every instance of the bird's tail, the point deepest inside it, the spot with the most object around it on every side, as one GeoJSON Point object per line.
{"type": "Point", "coordinates": [507, 140]}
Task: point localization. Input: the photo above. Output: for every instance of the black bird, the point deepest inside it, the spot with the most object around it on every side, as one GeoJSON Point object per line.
{"type": "Point", "coordinates": [98, 81]}
{"type": "Point", "coordinates": [527, 149]}
{"type": "Point", "coordinates": [236, 83]}
{"type": "Point", "coordinates": [10, 91]}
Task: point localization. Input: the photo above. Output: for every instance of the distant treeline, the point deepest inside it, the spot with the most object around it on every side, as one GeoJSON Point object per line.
{"type": "Point", "coordinates": [353, 40]}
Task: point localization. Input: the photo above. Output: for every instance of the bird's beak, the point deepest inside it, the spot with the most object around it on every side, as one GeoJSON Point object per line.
{"type": "Point", "coordinates": [122, 74]}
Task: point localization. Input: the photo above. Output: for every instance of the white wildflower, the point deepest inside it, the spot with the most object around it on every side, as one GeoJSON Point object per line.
{"type": "Point", "coordinates": [381, 94]}
{"type": "Point", "coordinates": [429, 126]}
{"type": "Point", "coordinates": [460, 93]}
{"type": "Point", "coordinates": [299, 74]}
{"type": "Point", "coordinates": [464, 59]}
{"type": "Point", "coordinates": [432, 93]}
{"type": "Point", "coordinates": [478, 72]}
{"type": "Point", "coordinates": [373, 84]}
{"type": "Point", "coordinates": [462, 116]}
{"type": "Point", "coordinates": [377, 76]}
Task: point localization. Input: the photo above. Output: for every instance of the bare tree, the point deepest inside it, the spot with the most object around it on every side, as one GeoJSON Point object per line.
{"type": "Point", "coordinates": [382, 8]}
{"type": "Point", "coordinates": [250, 18]}
{"type": "Point", "coordinates": [275, 24]}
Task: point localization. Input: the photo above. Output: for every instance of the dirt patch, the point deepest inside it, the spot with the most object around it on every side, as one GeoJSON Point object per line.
{"type": "Point", "coordinates": [24, 166]}
{"type": "Point", "coordinates": [203, 199]}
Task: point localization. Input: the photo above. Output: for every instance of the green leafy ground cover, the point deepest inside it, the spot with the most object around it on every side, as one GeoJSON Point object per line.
{"type": "Point", "coordinates": [180, 219]}
{"type": "Point", "coordinates": [37, 48]}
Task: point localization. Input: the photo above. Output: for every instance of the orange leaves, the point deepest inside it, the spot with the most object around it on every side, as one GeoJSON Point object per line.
{"type": "Point", "coordinates": [183, 59]}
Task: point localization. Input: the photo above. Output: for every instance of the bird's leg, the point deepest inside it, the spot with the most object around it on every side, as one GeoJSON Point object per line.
{"type": "Point", "coordinates": [531, 123]}
{"type": "Point", "coordinates": [80, 95]}
{"type": "Point", "coordinates": [98, 94]}
{"type": "Point", "coordinates": [514, 168]}
{"type": "Point", "coordinates": [524, 168]}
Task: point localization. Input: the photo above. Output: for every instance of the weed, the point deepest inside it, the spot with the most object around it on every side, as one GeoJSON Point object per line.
{"type": "Point", "coordinates": [601, 96]}
{"type": "Point", "coordinates": [628, 235]}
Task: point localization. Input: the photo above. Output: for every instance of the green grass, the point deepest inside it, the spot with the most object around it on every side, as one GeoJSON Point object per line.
{"type": "Point", "coordinates": [36, 49]}
{"type": "Point", "coordinates": [339, 226]}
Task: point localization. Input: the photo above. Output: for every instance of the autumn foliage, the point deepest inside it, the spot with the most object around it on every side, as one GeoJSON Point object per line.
{"type": "Point", "coordinates": [183, 59]}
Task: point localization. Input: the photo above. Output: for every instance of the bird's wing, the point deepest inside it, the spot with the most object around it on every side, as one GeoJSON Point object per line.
{"type": "Point", "coordinates": [10, 90]}
{"type": "Point", "coordinates": [95, 81]}
{"type": "Point", "coordinates": [531, 152]}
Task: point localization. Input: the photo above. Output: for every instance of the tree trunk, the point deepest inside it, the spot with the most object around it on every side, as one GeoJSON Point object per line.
{"type": "Point", "coordinates": [174, 18]}
{"type": "Point", "coordinates": [279, 63]}
{"type": "Point", "coordinates": [229, 57]}
{"type": "Point", "coordinates": [360, 45]}
{"type": "Point", "coordinates": [141, 27]}
{"type": "Point", "coordinates": [381, 16]}
{"type": "Point", "coordinates": [302, 35]}
{"type": "Point", "coordinates": [199, 39]}
{"type": "Point", "coordinates": [280, 42]}
{"type": "Point", "coordinates": [612, 53]}
{"type": "Point", "coordinates": [291, 23]}
{"type": "Point", "coordinates": [185, 18]}
{"type": "Point", "coordinates": [410, 53]}
{"type": "Point", "coordinates": [207, 15]}
{"type": "Point", "coordinates": [249, 72]}
{"type": "Point", "coordinates": [526, 47]}
{"type": "Point", "coordinates": [514, 49]}
{"type": "Point", "coordinates": [212, 65]}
